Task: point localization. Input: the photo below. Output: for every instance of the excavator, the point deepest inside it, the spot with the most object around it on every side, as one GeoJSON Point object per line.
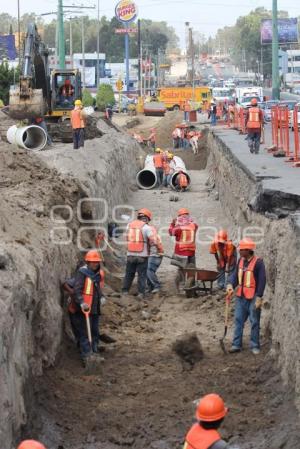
{"type": "Point", "coordinates": [41, 93]}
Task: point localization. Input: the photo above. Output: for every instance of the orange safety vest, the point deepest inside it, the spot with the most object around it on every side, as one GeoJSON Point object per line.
{"type": "Point", "coordinates": [183, 181]}
{"type": "Point", "coordinates": [156, 240]}
{"type": "Point", "coordinates": [76, 119]}
{"type": "Point", "coordinates": [187, 238]}
{"type": "Point", "coordinates": [167, 168]}
{"type": "Point", "coordinates": [226, 254]}
{"type": "Point", "coordinates": [254, 119]}
{"type": "Point", "coordinates": [246, 279]}
{"type": "Point", "coordinates": [135, 238]}
{"type": "Point", "coordinates": [158, 161]}
{"type": "Point", "coordinates": [199, 438]}
{"type": "Point", "coordinates": [88, 292]}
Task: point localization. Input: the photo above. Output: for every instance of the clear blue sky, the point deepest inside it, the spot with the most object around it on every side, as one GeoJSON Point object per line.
{"type": "Point", "coordinates": [205, 16]}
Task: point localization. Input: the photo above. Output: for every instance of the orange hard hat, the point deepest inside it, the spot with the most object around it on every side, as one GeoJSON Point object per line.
{"type": "Point", "coordinates": [183, 211]}
{"type": "Point", "coordinates": [211, 408]}
{"type": "Point", "coordinates": [254, 102]}
{"type": "Point", "coordinates": [145, 213]}
{"type": "Point", "coordinates": [221, 236]}
{"type": "Point", "coordinates": [31, 444]}
{"type": "Point", "coordinates": [247, 243]}
{"type": "Point", "coordinates": [93, 256]}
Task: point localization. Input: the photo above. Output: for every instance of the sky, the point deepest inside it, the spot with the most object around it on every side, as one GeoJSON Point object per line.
{"type": "Point", "coordinates": [205, 16]}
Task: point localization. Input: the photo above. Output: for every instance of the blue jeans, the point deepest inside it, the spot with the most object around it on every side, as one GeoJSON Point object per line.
{"type": "Point", "coordinates": [222, 279]}
{"type": "Point", "coordinates": [79, 323]}
{"type": "Point", "coordinates": [254, 141]}
{"type": "Point", "coordinates": [213, 119]}
{"type": "Point", "coordinates": [244, 309]}
{"type": "Point", "coordinates": [153, 265]}
{"type": "Point", "coordinates": [136, 264]}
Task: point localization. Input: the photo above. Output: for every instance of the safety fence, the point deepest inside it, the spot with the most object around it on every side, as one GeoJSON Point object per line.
{"type": "Point", "coordinates": [236, 119]}
{"type": "Point", "coordinates": [282, 121]}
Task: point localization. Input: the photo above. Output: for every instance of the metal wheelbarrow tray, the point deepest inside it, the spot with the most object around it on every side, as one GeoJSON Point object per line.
{"type": "Point", "coordinates": [196, 280]}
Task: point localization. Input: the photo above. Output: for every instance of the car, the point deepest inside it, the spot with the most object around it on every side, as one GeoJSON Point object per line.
{"type": "Point", "coordinates": [291, 117]}
{"type": "Point", "coordinates": [268, 109]}
{"type": "Point", "coordinates": [246, 101]}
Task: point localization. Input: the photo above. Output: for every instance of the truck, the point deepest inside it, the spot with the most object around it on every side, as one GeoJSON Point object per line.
{"type": "Point", "coordinates": [174, 98]}
{"type": "Point", "coordinates": [244, 95]}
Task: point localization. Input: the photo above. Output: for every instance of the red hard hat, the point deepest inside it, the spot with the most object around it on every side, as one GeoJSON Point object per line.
{"type": "Point", "coordinates": [146, 213]}
{"type": "Point", "coordinates": [183, 211]}
{"type": "Point", "coordinates": [67, 82]}
{"type": "Point", "coordinates": [254, 102]}
{"type": "Point", "coordinates": [31, 444]}
{"type": "Point", "coordinates": [93, 256]}
{"type": "Point", "coordinates": [221, 236]}
{"type": "Point", "coordinates": [211, 408]}
{"type": "Point", "coordinates": [247, 243]}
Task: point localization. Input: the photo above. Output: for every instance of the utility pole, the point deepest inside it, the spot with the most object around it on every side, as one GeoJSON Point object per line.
{"type": "Point", "coordinates": [19, 35]}
{"type": "Point", "coordinates": [83, 52]}
{"type": "Point", "coordinates": [275, 68]}
{"type": "Point", "coordinates": [98, 45]}
{"type": "Point", "coordinates": [61, 35]}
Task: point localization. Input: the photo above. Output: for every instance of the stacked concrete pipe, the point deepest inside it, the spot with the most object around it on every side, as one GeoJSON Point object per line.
{"type": "Point", "coordinates": [28, 137]}
{"type": "Point", "coordinates": [146, 178]}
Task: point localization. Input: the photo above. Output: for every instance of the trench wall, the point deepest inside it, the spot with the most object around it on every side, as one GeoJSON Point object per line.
{"type": "Point", "coordinates": [238, 192]}
{"type": "Point", "coordinates": [32, 267]}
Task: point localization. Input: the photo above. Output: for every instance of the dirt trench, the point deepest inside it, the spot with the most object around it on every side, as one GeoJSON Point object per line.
{"type": "Point", "coordinates": [143, 396]}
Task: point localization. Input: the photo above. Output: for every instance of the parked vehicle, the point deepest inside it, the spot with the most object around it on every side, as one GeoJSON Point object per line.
{"type": "Point", "coordinates": [291, 117]}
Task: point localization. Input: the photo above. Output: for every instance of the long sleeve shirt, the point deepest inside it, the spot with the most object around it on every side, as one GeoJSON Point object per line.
{"type": "Point", "coordinates": [79, 286]}
{"type": "Point", "coordinates": [176, 231]}
{"type": "Point", "coordinates": [259, 276]}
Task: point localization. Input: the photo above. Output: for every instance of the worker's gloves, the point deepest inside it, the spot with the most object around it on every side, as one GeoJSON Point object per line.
{"type": "Point", "coordinates": [258, 302]}
{"type": "Point", "coordinates": [102, 300]}
{"type": "Point", "coordinates": [229, 289]}
{"type": "Point", "coordinates": [85, 307]}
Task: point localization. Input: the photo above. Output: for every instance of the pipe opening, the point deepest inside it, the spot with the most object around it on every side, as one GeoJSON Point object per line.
{"type": "Point", "coordinates": [174, 180]}
{"type": "Point", "coordinates": [34, 138]}
{"type": "Point", "coordinates": [146, 179]}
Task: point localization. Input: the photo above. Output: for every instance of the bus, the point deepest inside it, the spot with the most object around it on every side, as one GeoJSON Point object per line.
{"type": "Point", "coordinates": [175, 97]}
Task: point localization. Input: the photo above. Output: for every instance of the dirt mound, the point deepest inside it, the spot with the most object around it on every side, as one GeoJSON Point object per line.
{"type": "Point", "coordinates": [5, 123]}
{"type": "Point", "coordinates": [165, 127]}
{"type": "Point", "coordinates": [188, 348]}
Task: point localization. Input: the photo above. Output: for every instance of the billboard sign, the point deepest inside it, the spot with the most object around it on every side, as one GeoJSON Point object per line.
{"type": "Point", "coordinates": [126, 11]}
{"type": "Point", "coordinates": [287, 31]}
{"type": "Point", "coordinates": [125, 30]}
{"type": "Point", "coordinates": [7, 47]}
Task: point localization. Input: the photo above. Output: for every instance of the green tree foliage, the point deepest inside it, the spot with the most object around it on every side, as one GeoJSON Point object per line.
{"type": "Point", "coordinates": [105, 96]}
{"type": "Point", "coordinates": [7, 78]}
{"type": "Point", "coordinates": [87, 98]}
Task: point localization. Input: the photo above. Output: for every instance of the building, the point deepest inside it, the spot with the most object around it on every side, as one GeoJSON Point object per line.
{"type": "Point", "coordinates": [293, 61]}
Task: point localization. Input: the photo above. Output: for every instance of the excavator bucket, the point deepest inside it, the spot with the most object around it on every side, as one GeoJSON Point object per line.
{"type": "Point", "coordinates": [26, 108]}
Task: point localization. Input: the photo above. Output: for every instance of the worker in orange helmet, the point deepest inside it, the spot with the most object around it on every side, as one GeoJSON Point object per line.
{"type": "Point", "coordinates": [138, 236]}
{"type": "Point", "coordinates": [210, 414]}
{"type": "Point", "coordinates": [254, 124]}
{"type": "Point", "coordinates": [225, 253]}
{"type": "Point", "coordinates": [181, 181]}
{"type": "Point", "coordinates": [31, 444]}
{"type": "Point", "coordinates": [88, 297]}
{"type": "Point", "coordinates": [249, 280]}
{"type": "Point", "coordinates": [152, 138]}
{"type": "Point", "coordinates": [184, 229]}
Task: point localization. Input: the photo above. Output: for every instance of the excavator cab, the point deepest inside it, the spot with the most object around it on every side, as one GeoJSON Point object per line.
{"type": "Point", "coordinates": [65, 89]}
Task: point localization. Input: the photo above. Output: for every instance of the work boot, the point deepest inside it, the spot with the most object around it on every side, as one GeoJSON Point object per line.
{"type": "Point", "coordinates": [155, 290]}
{"type": "Point", "coordinates": [234, 349]}
{"type": "Point", "coordinates": [255, 351]}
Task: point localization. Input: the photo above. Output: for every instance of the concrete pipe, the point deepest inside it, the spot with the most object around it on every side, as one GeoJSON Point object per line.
{"type": "Point", "coordinates": [29, 137]}
{"type": "Point", "coordinates": [179, 166]}
{"type": "Point", "coordinates": [146, 178]}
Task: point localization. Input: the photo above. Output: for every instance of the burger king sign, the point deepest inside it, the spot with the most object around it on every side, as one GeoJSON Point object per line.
{"type": "Point", "coordinates": [126, 11]}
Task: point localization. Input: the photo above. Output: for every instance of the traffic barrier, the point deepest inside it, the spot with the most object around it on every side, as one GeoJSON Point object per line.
{"type": "Point", "coordinates": [274, 122]}
{"type": "Point", "coordinates": [242, 121]}
{"type": "Point", "coordinates": [284, 132]}
{"type": "Point", "coordinates": [296, 159]}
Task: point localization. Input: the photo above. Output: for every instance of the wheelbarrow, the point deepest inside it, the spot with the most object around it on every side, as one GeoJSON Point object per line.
{"type": "Point", "coordinates": [198, 280]}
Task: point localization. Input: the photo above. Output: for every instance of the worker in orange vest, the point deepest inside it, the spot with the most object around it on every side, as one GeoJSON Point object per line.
{"type": "Point", "coordinates": [78, 119]}
{"type": "Point", "coordinates": [225, 253]}
{"type": "Point", "coordinates": [138, 235]}
{"type": "Point", "coordinates": [31, 444]}
{"type": "Point", "coordinates": [66, 92]}
{"type": "Point", "coordinates": [254, 124]}
{"type": "Point", "coordinates": [88, 297]}
{"type": "Point", "coordinates": [249, 280]}
{"type": "Point", "coordinates": [168, 168]}
{"type": "Point", "coordinates": [158, 162]}
{"type": "Point", "coordinates": [152, 138]}
{"type": "Point", "coordinates": [210, 414]}
{"type": "Point", "coordinates": [182, 182]}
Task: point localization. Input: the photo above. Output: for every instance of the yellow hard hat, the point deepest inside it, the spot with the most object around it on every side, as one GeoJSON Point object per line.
{"type": "Point", "coordinates": [158, 150]}
{"type": "Point", "coordinates": [170, 155]}
{"type": "Point", "coordinates": [78, 103]}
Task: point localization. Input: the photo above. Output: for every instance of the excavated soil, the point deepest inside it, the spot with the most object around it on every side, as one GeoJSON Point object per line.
{"type": "Point", "coordinates": [143, 395]}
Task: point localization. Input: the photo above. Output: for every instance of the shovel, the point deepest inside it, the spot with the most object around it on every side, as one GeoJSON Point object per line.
{"type": "Point", "coordinates": [227, 303]}
{"type": "Point", "coordinates": [88, 325]}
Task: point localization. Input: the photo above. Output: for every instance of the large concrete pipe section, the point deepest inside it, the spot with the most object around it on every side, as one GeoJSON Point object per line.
{"type": "Point", "coordinates": [29, 137]}
{"type": "Point", "coordinates": [146, 178]}
{"type": "Point", "coordinates": [179, 166]}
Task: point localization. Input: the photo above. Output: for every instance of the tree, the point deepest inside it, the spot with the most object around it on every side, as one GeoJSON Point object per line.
{"type": "Point", "coordinates": [87, 98]}
{"type": "Point", "coordinates": [7, 78]}
{"type": "Point", "coordinates": [105, 96]}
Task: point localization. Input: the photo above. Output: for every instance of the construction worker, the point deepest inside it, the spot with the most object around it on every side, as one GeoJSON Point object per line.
{"type": "Point", "coordinates": [156, 253]}
{"type": "Point", "coordinates": [249, 280]}
{"type": "Point", "coordinates": [181, 182]}
{"type": "Point", "coordinates": [138, 236]}
{"type": "Point", "coordinates": [225, 253]}
{"type": "Point", "coordinates": [66, 92]}
{"type": "Point", "coordinates": [254, 123]}
{"type": "Point", "coordinates": [31, 444]}
{"type": "Point", "coordinates": [78, 120]}
{"type": "Point", "coordinates": [210, 414]}
{"type": "Point", "coordinates": [152, 138]}
{"type": "Point", "coordinates": [40, 121]}
{"type": "Point", "coordinates": [158, 164]}
{"type": "Point", "coordinates": [168, 170]}
{"type": "Point", "coordinates": [184, 230]}
{"type": "Point", "coordinates": [88, 297]}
